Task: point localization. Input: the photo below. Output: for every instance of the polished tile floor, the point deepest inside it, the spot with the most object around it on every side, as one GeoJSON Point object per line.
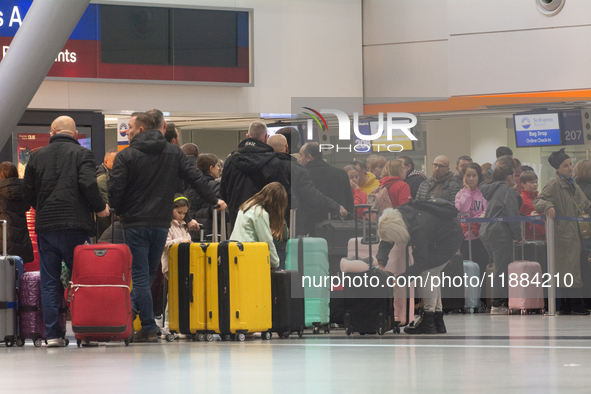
{"type": "Point", "coordinates": [480, 354]}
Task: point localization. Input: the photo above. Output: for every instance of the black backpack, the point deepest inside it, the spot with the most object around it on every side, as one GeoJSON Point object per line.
{"type": "Point", "coordinates": [438, 207]}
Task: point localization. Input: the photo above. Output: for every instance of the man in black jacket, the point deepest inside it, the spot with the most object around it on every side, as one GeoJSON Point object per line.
{"type": "Point", "coordinates": [60, 183]}
{"type": "Point", "coordinates": [141, 189]}
{"type": "Point", "coordinates": [330, 181]}
{"type": "Point", "coordinates": [249, 169]}
{"type": "Point", "coordinates": [302, 187]}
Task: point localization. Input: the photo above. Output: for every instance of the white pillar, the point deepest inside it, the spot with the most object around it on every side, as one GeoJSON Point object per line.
{"type": "Point", "coordinates": [44, 32]}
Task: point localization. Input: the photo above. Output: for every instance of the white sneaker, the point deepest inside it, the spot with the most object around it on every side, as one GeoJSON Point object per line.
{"type": "Point", "coordinates": [499, 310]}
{"type": "Point", "coordinates": [56, 342]}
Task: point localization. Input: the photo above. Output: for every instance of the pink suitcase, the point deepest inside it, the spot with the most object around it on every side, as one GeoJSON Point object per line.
{"type": "Point", "coordinates": [525, 298]}
{"type": "Point", "coordinates": [396, 265]}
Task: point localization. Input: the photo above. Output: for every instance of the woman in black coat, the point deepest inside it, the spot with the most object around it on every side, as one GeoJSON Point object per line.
{"type": "Point", "coordinates": [200, 210]}
{"type": "Point", "coordinates": [13, 209]}
{"type": "Point", "coordinates": [435, 241]}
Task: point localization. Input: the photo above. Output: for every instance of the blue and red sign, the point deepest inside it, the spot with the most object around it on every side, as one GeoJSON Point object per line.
{"type": "Point", "coordinates": [81, 56]}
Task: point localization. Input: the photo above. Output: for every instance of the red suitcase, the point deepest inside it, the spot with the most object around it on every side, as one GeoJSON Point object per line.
{"type": "Point", "coordinates": [100, 302]}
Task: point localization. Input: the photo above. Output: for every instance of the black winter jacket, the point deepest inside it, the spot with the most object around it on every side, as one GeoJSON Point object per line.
{"type": "Point", "coordinates": [449, 191]}
{"type": "Point", "coordinates": [433, 241]}
{"type": "Point", "coordinates": [201, 211]}
{"type": "Point", "coordinates": [144, 177]}
{"type": "Point", "coordinates": [246, 171]}
{"type": "Point", "coordinates": [60, 183]}
{"type": "Point", "coordinates": [333, 183]}
{"type": "Point", "coordinates": [13, 209]}
{"type": "Point", "coordinates": [304, 195]}
{"type": "Point", "coordinates": [414, 180]}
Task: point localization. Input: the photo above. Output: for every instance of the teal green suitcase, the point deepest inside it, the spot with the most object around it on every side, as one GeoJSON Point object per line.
{"type": "Point", "coordinates": [309, 256]}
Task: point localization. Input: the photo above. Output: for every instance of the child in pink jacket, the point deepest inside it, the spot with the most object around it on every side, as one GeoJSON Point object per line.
{"type": "Point", "coordinates": [471, 204]}
{"type": "Point", "coordinates": [178, 233]}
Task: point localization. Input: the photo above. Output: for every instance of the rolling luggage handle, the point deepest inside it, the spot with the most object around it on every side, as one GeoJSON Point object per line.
{"type": "Point", "coordinates": [4, 224]}
{"type": "Point", "coordinates": [369, 211]}
{"type": "Point", "coordinates": [96, 227]}
{"type": "Point", "coordinates": [214, 228]}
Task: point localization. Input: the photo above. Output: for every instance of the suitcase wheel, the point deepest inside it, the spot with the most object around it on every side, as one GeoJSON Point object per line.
{"type": "Point", "coordinates": [397, 330]}
{"type": "Point", "coordinates": [209, 337]}
{"type": "Point", "coordinates": [38, 342]}
{"type": "Point", "coordinates": [198, 337]}
{"type": "Point", "coordinates": [240, 337]}
{"type": "Point", "coordinates": [78, 342]}
{"type": "Point", "coordinates": [127, 342]}
{"type": "Point", "coordinates": [285, 335]}
{"type": "Point", "coordinates": [20, 342]}
{"type": "Point", "coordinates": [266, 335]}
{"type": "Point", "coordinates": [316, 330]}
{"type": "Point", "coordinates": [226, 337]}
{"type": "Point", "coordinates": [381, 330]}
{"type": "Point", "coordinates": [524, 311]}
{"type": "Point", "coordinates": [348, 331]}
{"type": "Point", "coordinates": [300, 334]}
{"type": "Point", "coordinates": [327, 329]}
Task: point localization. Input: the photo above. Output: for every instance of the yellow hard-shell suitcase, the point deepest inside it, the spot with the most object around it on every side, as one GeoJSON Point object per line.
{"type": "Point", "coordinates": [239, 290]}
{"type": "Point", "coordinates": [187, 299]}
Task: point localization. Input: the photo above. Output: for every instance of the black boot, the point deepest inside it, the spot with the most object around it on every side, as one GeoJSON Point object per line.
{"type": "Point", "coordinates": [577, 306]}
{"type": "Point", "coordinates": [439, 323]}
{"type": "Point", "coordinates": [425, 325]}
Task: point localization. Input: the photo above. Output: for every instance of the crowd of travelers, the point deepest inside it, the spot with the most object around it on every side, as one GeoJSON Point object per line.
{"type": "Point", "coordinates": [156, 193]}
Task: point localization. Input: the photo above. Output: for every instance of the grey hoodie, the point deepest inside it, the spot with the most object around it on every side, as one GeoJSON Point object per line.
{"type": "Point", "coordinates": [501, 201]}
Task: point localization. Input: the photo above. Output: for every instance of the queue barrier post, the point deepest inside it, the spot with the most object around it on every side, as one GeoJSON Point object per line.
{"type": "Point", "coordinates": [551, 266]}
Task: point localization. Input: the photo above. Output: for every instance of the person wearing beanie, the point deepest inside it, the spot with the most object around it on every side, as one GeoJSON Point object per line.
{"type": "Point", "coordinates": [562, 196]}
{"type": "Point", "coordinates": [434, 242]}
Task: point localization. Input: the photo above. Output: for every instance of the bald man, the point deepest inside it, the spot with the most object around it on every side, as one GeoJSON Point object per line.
{"type": "Point", "coordinates": [441, 184]}
{"type": "Point", "coordinates": [60, 183]}
{"type": "Point", "coordinates": [249, 169]}
{"type": "Point", "coordinates": [302, 187]}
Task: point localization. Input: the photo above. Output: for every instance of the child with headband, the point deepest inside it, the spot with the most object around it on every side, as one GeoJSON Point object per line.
{"type": "Point", "coordinates": [178, 233]}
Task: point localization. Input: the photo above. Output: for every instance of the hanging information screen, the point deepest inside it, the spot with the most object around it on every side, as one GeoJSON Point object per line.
{"type": "Point", "coordinates": [115, 42]}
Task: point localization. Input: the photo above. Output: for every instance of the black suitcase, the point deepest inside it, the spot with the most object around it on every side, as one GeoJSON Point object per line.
{"type": "Point", "coordinates": [337, 234]}
{"type": "Point", "coordinates": [288, 303]}
{"type": "Point", "coordinates": [369, 309]}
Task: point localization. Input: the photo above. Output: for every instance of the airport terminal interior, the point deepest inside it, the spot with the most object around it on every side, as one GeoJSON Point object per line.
{"type": "Point", "coordinates": [474, 76]}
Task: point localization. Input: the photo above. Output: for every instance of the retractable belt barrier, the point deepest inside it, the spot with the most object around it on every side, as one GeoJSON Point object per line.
{"type": "Point", "coordinates": [549, 223]}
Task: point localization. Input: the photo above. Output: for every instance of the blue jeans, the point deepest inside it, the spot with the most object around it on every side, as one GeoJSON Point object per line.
{"type": "Point", "coordinates": [55, 247]}
{"type": "Point", "coordinates": [146, 245]}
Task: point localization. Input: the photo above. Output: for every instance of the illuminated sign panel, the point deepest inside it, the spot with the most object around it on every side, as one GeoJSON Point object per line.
{"type": "Point", "coordinates": [147, 43]}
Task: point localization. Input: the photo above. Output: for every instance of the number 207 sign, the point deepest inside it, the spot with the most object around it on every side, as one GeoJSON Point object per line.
{"type": "Point", "coordinates": [572, 124]}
